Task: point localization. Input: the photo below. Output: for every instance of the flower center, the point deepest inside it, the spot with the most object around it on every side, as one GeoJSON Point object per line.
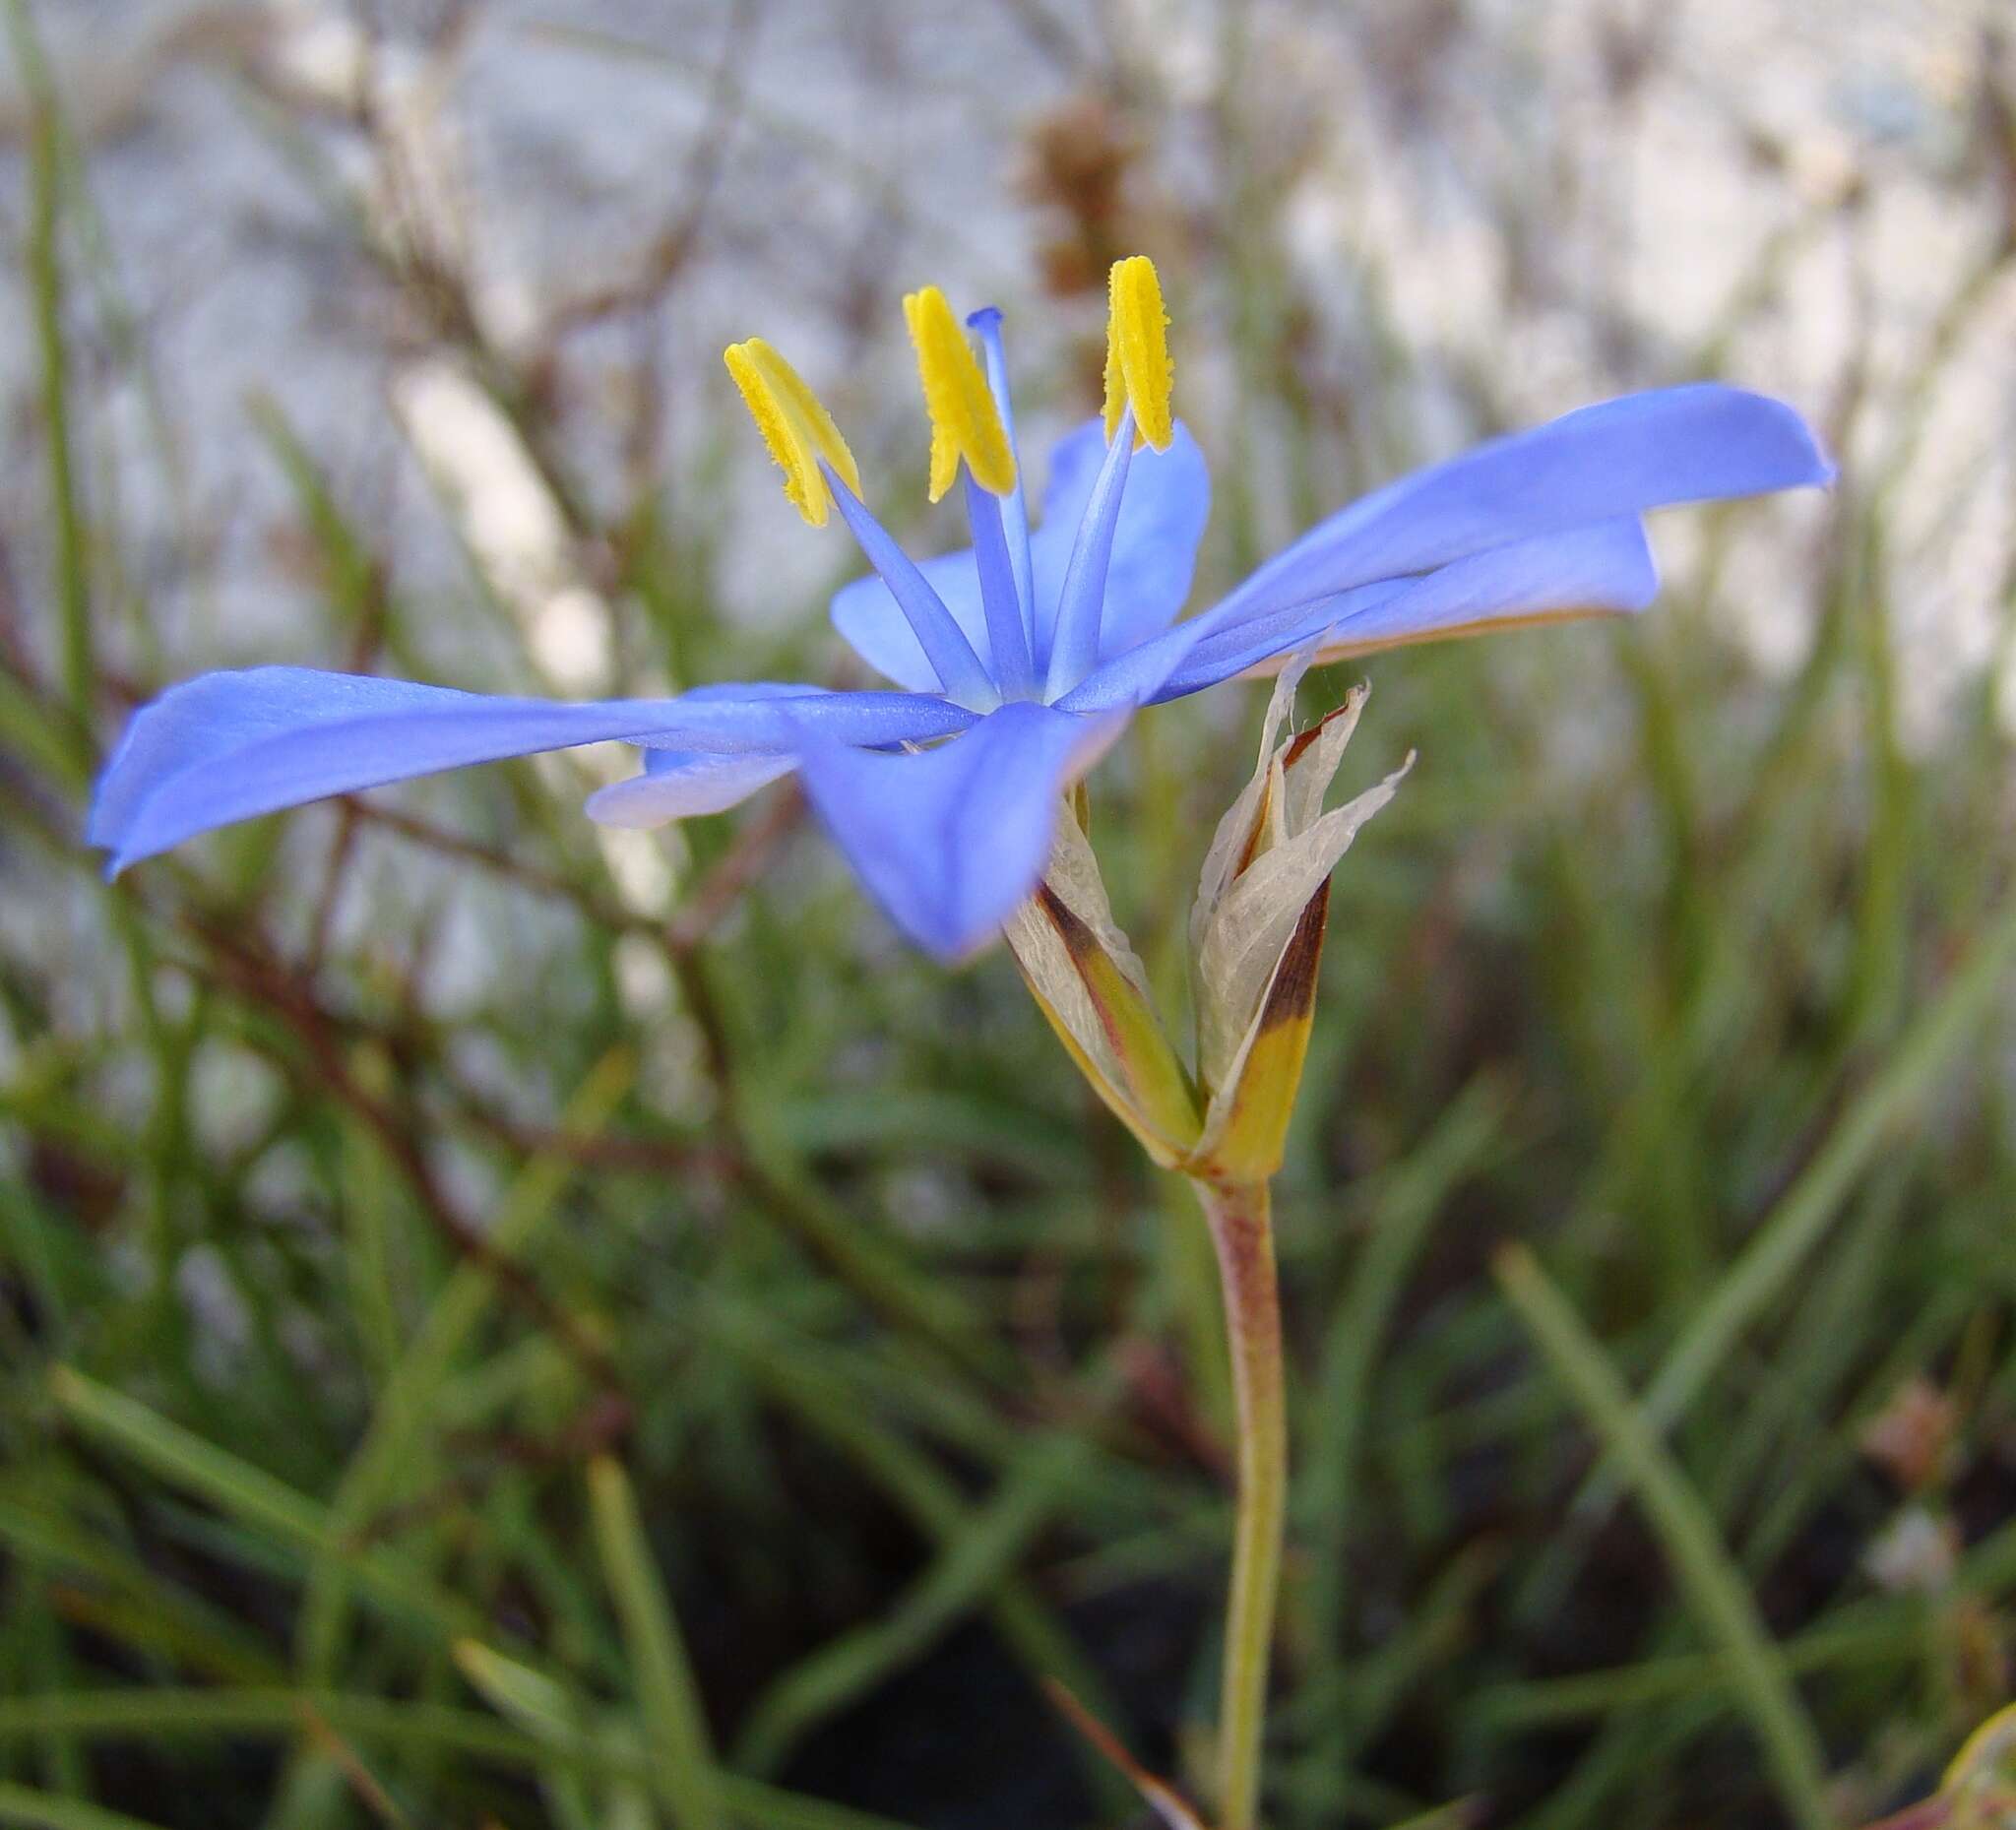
{"type": "Point", "coordinates": [1035, 650]}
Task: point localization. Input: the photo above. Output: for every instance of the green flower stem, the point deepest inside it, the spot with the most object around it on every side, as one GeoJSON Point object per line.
{"type": "Point", "coordinates": [1241, 1229]}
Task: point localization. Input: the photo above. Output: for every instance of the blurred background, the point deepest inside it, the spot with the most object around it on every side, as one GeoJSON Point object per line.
{"type": "Point", "coordinates": [511, 1323]}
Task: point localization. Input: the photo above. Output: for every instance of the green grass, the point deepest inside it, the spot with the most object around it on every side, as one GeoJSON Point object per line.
{"type": "Point", "coordinates": [716, 1368]}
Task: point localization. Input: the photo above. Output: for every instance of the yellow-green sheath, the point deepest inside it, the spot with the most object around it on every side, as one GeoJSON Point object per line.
{"type": "Point", "coordinates": [1263, 1098]}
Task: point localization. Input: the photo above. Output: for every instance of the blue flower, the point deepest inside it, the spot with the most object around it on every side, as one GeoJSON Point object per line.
{"type": "Point", "coordinates": [1018, 659]}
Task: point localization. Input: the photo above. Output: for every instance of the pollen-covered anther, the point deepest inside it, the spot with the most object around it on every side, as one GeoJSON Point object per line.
{"type": "Point", "coordinates": [964, 422]}
{"type": "Point", "coordinates": [798, 431]}
{"type": "Point", "coordinates": [1139, 372]}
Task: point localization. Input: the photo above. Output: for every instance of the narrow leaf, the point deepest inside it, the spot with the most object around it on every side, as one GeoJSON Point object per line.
{"type": "Point", "coordinates": [1709, 1580]}
{"type": "Point", "coordinates": [683, 1764]}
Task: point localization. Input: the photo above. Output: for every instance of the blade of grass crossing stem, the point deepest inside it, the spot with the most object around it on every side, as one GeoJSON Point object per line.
{"type": "Point", "coordinates": [682, 1763]}
{"type": "Point", "coordinates": [1795, 1225]}
{"type": "Point", "coordinates": [1709, 1581]}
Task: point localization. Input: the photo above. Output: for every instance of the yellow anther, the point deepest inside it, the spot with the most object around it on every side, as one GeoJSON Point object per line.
{"type": "Point", "coordinates": [965, 422]}
{"type": "Point", "coordinates": [1139, 372]}
{"type": "Point", "coordinates": [798, 429]}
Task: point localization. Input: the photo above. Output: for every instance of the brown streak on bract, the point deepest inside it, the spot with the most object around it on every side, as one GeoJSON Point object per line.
{"type": "Point", "coordinates": [1292, 996]}
{"type": "Point", "coordinates": [1082, 944]}
{"type": "Point", "coordinates": [1300, 743]}
{"type": "Point", "coordinates": [1261, 813]}
{"type": "Point", "coordinates": [1302, 739]}
{"type": "Point", "coordinates": [1078, 938]}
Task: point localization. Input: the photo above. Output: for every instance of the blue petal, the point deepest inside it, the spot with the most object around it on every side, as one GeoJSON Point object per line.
{"type": "Point", "coordinates": [1604, 570]}
{"type": "Point", "coordinates": [678, 784]}
{"type": "Point", "coordinates": [1622, 457]}
{"type": "Point", "coordinates": [227, 746]}
{"type": "Point", "coordinates": [1154, 552]}
{"type": "Point", "coordinates": [950, 839]}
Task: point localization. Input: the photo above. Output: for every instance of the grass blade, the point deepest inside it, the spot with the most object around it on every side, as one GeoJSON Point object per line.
{"type": "Point", "coordinates": [972, 1567]}
{"type": "Point", "coordinates": [682, 1753]}
{"type": "Point", "coordinates": [166, 1715]}
{"type": "Point", "coordinates": [1707, 1576]}
{"type": "Point", "coordinates": [1797, 1223]}
{"type": "Point", "coordinates": [246, 1494]}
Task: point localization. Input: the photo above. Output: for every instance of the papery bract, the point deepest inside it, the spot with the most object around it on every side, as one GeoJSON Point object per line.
{"type": "Point", "coordinates": [1091, 987]}
{"type": "Point", "coordinates": [1257, 927]}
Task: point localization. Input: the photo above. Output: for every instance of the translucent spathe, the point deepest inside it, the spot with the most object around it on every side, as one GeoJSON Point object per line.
{"type": "Point", "coordinates": [1257, 927]}
{"type": "Point", "coordinates": [1089, 986]}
